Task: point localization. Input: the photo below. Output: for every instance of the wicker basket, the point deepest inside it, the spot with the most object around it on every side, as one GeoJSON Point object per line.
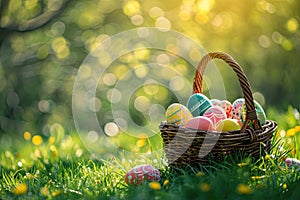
{"type": "Point", "coordinates": [184, 146]}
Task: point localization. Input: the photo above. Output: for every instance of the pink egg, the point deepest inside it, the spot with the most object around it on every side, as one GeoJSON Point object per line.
{"type": "Point", "coordinates": [201, 123]}
{"type": "Point", "coordinates": [227, 107]}
{"type": "Point", "coordinates": [141, 173]}
{"type": "Point", "coordinates": [214, 102]}
{"type": "Point", "coordinates": [215, 114]}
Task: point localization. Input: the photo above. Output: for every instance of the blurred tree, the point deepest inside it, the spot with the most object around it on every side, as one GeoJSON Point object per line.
{"type": "Point", "coordinates": [40, 52]}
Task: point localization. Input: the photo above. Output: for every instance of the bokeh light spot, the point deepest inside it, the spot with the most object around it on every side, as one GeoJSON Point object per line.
{"type": "Point", "coordinates": [95, 104]}
{"type": "Point", "coordinates": [287, 45]}
{"type": "Point", "coordinates": [54, 5]}
{"type": "Point", "coordinates": [177, 83]}
{"type": "Point", "coordinates": [141, 71]}
{"type": "Point", "coordinates": [79, 153]}
{"type": "Point", "coordinates": [111, 129]}
{"type": "Point", "coordinates": [30, 4]}
{"type": "Point", "coordinates": [217, 21]}
{"type": "Point", "coordinates": [163, 59]}
{"type": "Point", "coordinates": [122, 123]}
{"type": "Point", "coordinates": [109, 79]}
{"type": "Point", "coordinates": [264, 41]}
{"type": "Point", "coordinates": [151, 87]}
{"type": "Point", "coordinates": [137, 20]}
{"type": "Point", "coordinates": [201, 18]}
{"type": "Point", "coordinates": [131, 8]}
{"type": "Point", "coordinates": [205, 5]}
{"type": "Point", "coordinates": [85, 71]}
{"type": "Point", "coordinates": [163, 23]}
{"type": "Point", "coordinates": [44, 106]}
{"type": "Point", "coordinates": [58, 28]}
{"type": "Point", "coordinates": [156, 12]}
{"type": "Point", "coordinates": [114, 95]}
{"type": "Point", "coordinates": [277, 37]}
{"type": "Point", "coordinates": [195, 55]}
{"type": "Point", "coordinates": [292, 25]}
{"type": "Point", "coordinates": [142, 103]}
{"type": "Point", "coordinates": [93, 136]}
{"type": "Point", "coordinates": [42, 52]}
{"type": "Point", "coordinates": [259, 97]}
{"type": "Point", "coordinates": [13, 99]}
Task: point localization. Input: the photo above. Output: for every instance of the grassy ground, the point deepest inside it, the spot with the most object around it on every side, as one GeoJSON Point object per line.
{"type": "Point", "coordinates": [60, 167]}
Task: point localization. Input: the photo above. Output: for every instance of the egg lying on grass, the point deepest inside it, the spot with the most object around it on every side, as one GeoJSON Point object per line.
{"type": "Point", "coordinates": [141, 173]}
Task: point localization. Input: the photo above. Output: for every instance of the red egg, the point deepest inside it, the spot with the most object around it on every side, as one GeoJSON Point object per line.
{"type": "Point", "coordinates": [141, 173]}
{"type": "Point", "coordinates": [201, 123]}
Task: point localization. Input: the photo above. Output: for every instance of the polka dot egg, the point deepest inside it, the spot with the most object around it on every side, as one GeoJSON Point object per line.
{"type": "Point", "coordinates": [239, 111]}
{"type": "Point", "coordinates": [178, 114]}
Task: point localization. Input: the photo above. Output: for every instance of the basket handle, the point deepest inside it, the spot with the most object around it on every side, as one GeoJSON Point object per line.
{"type": "Point", "coordinates": [251, 115]}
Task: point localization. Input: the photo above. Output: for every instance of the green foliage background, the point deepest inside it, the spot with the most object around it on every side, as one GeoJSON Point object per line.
{"type": "Point", "coordinates": [39, 62]}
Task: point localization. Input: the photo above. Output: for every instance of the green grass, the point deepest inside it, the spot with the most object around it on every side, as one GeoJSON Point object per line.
{"type": "Point", "coordinates": [63, 168]}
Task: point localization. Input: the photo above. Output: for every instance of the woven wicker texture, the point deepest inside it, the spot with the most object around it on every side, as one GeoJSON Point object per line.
{"type": "Point", "coordinates": [184, 146]}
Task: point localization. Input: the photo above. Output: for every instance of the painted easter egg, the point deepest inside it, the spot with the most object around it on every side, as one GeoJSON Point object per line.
{"type": "Point", "coordinates": [214, 102]}
{"type": "Point", "coordinates": [236, 112]}
{"type": "Point", "coordinates": [177, 114]}
{"type": "Point", "coordinates": [141, 173]}
{"type": "Point", "coordinates": [227, 107]}
{"type": "Point", "coordinates": [198, 104]}
{"type": "Point", "coordinates": [228, 125]}
{"type": "Point", "coordinates": [201, 123]}
{"type": "Point", "coordinates": [259, 111]}
{"type": "Point", "coordinates": [215, 114]}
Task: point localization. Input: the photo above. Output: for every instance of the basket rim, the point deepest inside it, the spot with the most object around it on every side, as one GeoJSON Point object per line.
{"type": "Point", "coordinates": [249, 134]}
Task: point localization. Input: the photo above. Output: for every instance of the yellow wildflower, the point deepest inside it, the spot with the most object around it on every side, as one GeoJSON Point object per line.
{"type": "Point", "coordinates": [199, 174]}
{"type": "Point", "coordinates": [155, 185]}
{"type": "Point", "coordinates": [297, 128]}
{"type": "Point", "coordinates": [45, 191]}
{"type": "Point", "coordinates": [257, 177]}
{"type": "Point", "coordinates": [166, 183]}
{"type": "Point", "coordinates": [284, 186]}
{"type": "Point", "coordinates": [27, 135]}
{"type": "Point", "coordinates": [242, 164]}
{"type": "Point", "coordinates": [20, 189]}
{"type": "Point", "coordinates": [141, 143]}
{"type": "Point", "coordinates": [53, 150]}
{"type": "Point", "coordinates": [56, 193]}
{"type": "Point", "coordinates": [37, 140]}
{"type": "Point", "coordinates": [205, 187]}
{"type": "Point", "coordinates": [267, 157]}
{"type": "Point", "coordinates": [244, 189]}
{"type": "Point", "coordinates": [51, 140]}
{"type": "Point", "coordinates": [291, 132]}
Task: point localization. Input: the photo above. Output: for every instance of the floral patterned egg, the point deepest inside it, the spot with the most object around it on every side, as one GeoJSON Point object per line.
{"type": "Point", "coordinates": [198, 104]}
{"type": "Point", "coordinates": [227, 107]}
{"type": "Point", "coordinates": [215, 114]}
{"type": "Point", "coordinates": [141, 173]}
{"type": "Point", "coordinates": [178, 114]}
